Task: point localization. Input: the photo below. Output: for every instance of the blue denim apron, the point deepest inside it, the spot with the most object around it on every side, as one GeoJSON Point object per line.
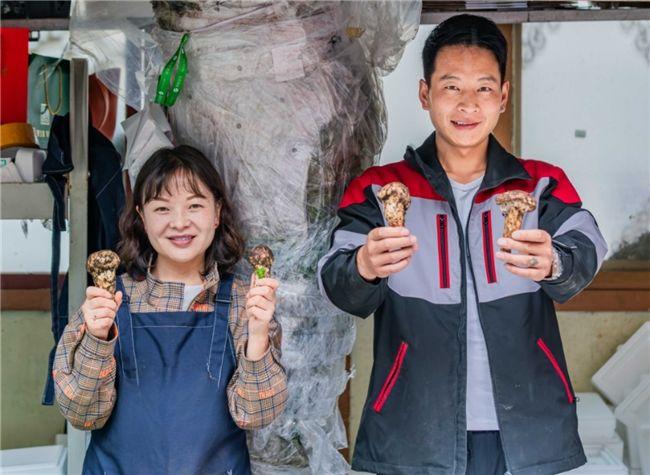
{"type": "Point", "coordinates": [171, 414]}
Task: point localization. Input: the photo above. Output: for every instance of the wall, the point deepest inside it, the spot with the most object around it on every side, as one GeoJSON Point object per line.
{"type": "Point", "coordinates": [25, 342]}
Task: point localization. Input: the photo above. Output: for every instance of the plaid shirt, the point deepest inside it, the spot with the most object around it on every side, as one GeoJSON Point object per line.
{"type": "Point", "coordinates": [85, 369]}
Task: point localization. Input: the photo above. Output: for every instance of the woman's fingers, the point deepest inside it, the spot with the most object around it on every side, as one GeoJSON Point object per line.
{"type": "Point", "coordinates": [103, 323]}
{"type": "Point", "coordinates": [259, 301]}
{"type": "Point", "coordinates": [99, 310]}
{"type": "Point", "coordinates": [118, 298]}
{"type": "Point", "coordinates": [103, 313]}
{"type": "Point", "coordinates": [260, 314]}
{"type": "Point", "coordinates": [268, 282]}
{"type": "Point", "coordinates": [92, 292]}
{"type": "Point", "coordinates": [101, 302]}
{"type": "Point", "coordinates": [263, 291]}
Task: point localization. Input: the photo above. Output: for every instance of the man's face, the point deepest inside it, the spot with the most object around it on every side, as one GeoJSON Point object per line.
{"type": "Point", "coordinates": [465, 96]}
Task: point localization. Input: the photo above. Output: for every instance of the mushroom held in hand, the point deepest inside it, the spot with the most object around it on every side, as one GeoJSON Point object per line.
{"type": "Point", "coordinates": [396, 199]}
{"type": "Point", "coordinates": [514, 204]}
{"type": "Point", "coordinates": [261, 258]}
{"type": "Point", "coordinates": [102, 266]}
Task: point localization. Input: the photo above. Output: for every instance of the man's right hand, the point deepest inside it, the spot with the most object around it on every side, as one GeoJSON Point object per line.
{"type": "Point", "coordinates": [99, 310]}
{"type": "Point", "coordinates": [387, 251]}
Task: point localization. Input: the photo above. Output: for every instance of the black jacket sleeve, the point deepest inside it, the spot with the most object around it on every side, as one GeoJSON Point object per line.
{"type": "Point", "coordinates": [576, 238]}
{"type": "Point", "coordinates": [339, 278]}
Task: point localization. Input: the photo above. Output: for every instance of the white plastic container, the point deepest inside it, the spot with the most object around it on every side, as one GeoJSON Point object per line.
{"type": "Point", "coordinates": [45, 460]}
{"type": "Point", "coordinates": [643, 434]}
{"type": "Point", "coordinates": [600, 462]}
{"type": "Point", "coordinates": [634, 412]}
{"type": "Point", "coordinates": [596, 421]}
{"type": "Point", "coordinates": [622, 372]}
{"type": "Point", "coordinates": [632, 449]}
{"type": "Point", "coordinates": [26, 165]}
{"type": "Point", "coordinates": [614, 445]}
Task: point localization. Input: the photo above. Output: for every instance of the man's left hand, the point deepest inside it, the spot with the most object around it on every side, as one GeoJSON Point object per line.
{"type": "Point", "coordinates": [534, 258]}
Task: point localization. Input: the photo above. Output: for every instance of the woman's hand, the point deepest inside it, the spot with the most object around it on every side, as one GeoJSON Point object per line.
{"type": "Point", "coordinates": [535, 253]}
{"type": "Point", "coordinates": [260, 306]}
{"type": "Point", "coordinates": [99, 310]}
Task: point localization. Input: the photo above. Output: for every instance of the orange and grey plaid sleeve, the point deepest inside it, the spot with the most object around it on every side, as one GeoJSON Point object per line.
{"type": "Point", "coordinates": [84, 375]}
{"type": "Point", "coordinates": [257, 392]}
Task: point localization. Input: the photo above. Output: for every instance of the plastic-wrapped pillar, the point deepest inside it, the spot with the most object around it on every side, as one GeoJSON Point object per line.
{"type": "Point", "coordinates": [286, 100]}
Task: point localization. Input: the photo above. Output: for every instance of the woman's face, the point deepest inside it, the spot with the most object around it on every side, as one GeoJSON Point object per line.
{"type": "Point", "coordinates": [181, 223]}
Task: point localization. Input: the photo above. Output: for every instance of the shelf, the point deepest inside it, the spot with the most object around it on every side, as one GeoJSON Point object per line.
{"type": "Point", "coordinates": [25, 201]}
{"type": "Point", "coordinates": [432, 17]}
{"type": "Point", "coordinates": [39, 24]}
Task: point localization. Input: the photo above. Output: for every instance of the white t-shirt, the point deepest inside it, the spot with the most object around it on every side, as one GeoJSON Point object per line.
{"type": "Point", "coordinates": [189, 293]}
{"type": "Point", "coordinates": [480, 410]}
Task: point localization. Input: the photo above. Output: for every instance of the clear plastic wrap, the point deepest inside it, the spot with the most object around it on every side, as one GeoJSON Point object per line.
{"type": "Point", "coordinates": [114, 37]}
{"type": "Point", "coordinates": [285, 98]}
{"type": "Point", "coordinates": [146, 131]}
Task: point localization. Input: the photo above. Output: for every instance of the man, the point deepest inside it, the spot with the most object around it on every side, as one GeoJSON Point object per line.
{"type": "Point", "coordinates": [469, 374]}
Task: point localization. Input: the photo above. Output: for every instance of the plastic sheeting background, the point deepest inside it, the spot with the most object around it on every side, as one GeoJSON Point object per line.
{"type": "Point", "coordinates": [285, 98]}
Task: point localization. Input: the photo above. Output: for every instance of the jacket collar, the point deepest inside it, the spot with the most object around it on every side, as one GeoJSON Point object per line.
{"type": "Point", "coordinates": [502, 166]}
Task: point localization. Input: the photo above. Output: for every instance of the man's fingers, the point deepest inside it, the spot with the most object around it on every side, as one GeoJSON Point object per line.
{"type": "Point", "coordinates": [533, 235]}
{"type": "Point", "coordinates": [394, 257]}
{"type": "Point", "coordinates": [522, 260]}
{"type": "Point", "coordinates": [394, 268]}
{"type": "Point", "coordinates": [524, 247]}
{"type": "Point", "coordinates": [390, 244]}
{"type": "Point", "coordinates": [393, 244]}
{"type": "Point", "coordinates": [378, 234]}
{"type": "Point", "coordinates": [529, 273]}
{"type": "Point", "coordinates": [386, 246]}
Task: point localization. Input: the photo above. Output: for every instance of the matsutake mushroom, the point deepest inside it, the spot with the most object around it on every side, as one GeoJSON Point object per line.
{"type": "Point", "coordinates": [514, 205]}
{"type": "Point", "coordinates": [102, 266]}
{"type": "Point", "coordinates": [261, 258]}
{"type": "Point", "coordinates": [396, 199]}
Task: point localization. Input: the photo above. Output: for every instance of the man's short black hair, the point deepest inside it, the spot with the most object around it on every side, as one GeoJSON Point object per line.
{"type": "Point", "coordinates": [467, 30]}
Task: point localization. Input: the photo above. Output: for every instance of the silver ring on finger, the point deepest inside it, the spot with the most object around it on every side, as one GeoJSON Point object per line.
{"type": "Point", "coordinates": [532, 262]}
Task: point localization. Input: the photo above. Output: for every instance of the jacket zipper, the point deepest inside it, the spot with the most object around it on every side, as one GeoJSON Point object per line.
{"type": "Point", "coordinates": [443, 251]}
{"type": "Point", "coordinates": [556, 366]}
{"type": "Point", "coordinates": [506, 454]}
{"type": "Point", "coordinates": [469, 262]}
{"type": "Point", "coordinates": [395, 370]}
{"type": "Point", "coordinates": [488, 249]}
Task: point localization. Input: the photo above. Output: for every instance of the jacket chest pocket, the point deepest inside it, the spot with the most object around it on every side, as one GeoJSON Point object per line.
{"type": "Point", "coordinates": [391, 379]}
{"type": "Point", "coordinates": [488, 247]}
{"type": "Point", "coordinates": [442, 233]}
